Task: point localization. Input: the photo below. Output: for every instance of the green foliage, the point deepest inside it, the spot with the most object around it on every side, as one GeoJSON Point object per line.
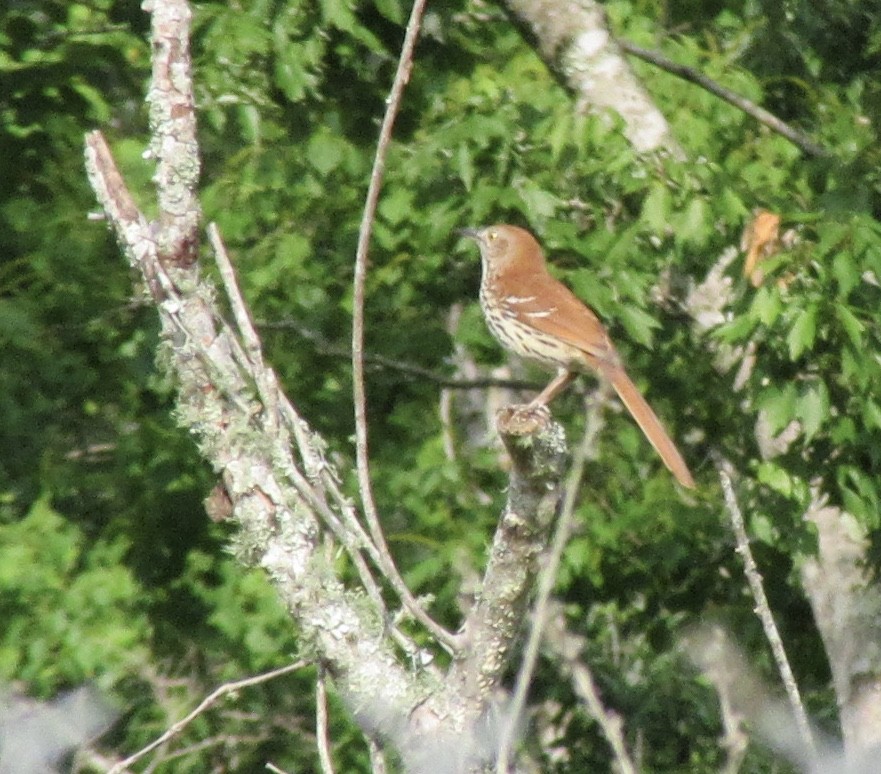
{"type": "Point", "coordinates": [813, 332]}
{"type": "Point", "coordinates": [78, 617]}
{"type": "Point", "coordinates": [108, 569]}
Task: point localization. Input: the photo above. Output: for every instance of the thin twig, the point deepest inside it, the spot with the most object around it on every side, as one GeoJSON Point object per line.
{"type": "Point", "coordinates": [267, 384]}
{"type": "Point", "coordinates": [763, 609]}
{"type": "Point", "coordinates": [223, 690]}
{"type": "Point", "coordinates": [402, 75]}
{"type": "Point", "coordinates": [350, 532]}
{"type": "Point", "coordinates": [325, 347]}
{"type": "Point", "coordinates": [609, 722]}
{"type": "Point", "coordinates": [321, 731]}
{"type": "Point", "coordinates": [274, 769]}
{"type": "Point", "coordinates": [747, 106]}
{"type": "Point", "coordinates": [567, 647]}
{"type": "Point", "coordinates": [543, 596]}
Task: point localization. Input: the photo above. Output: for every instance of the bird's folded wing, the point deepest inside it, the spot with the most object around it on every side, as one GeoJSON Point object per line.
{"type": "Point", "coordinates": [551, 308]}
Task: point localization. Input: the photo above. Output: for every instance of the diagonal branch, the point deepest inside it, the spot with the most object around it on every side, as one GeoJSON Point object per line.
{"type": "Point", "coordinates": [255, 440]}
{"type": "Point", "coordinates": [278, 510]}
{"type": "Point", "coordinates": [763, 609]}
{"type": "Point", "coordinates": [732, 98]}
{"type": "Point", "coordinates": [537, 447]}
{"type": "Point", "coordinates": [209, 701]}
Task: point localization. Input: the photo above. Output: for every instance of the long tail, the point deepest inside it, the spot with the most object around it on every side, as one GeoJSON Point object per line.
{"type": "Point", "coordinates": [650, 425]}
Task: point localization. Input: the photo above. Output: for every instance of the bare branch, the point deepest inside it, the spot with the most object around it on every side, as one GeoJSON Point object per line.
{"type": "Point", "coordinates": [567, 647]}
{"type": "Point", "coordinates": [732, 98]}
{"type": "Point", "coordinates": [212, 698]}
{"type": "Point", "coordinates": [763, 609]}
{"type": "Point", "coordinates": [845, 597]}
{"type": "Point", "coordinates": [348, 529]}
{"type": "Point", "coordinates": [279, 509]}
{"type": "Point", "coordinates": [387, 565]}
{"type": "Point", "coordinates": [377, 758]}
{"type": "Point", "coordinates": [456, 729]}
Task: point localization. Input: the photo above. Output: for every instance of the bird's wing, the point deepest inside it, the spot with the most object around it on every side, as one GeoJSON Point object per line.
{"type": "Point", "coordinates": [550, 307]}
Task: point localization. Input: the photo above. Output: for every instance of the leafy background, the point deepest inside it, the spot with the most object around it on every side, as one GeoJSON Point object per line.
{"type": "Point", "coordinates": [110, 571]}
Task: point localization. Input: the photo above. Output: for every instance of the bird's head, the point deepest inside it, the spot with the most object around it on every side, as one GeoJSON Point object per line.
{"type": "Point", "coordinates": [505, 247]}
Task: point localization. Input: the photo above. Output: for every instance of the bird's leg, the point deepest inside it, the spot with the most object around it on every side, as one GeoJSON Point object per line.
{"type": "Point", "coordinates": [559, 383]}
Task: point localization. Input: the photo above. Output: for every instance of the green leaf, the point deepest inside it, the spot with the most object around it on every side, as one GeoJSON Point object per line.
{"type": "Point", "coordinates": [638, 323]}
{"type": "Point", "coordinates": [803, 332]}
{"type": "Point", "coordinates": [775, 477]}
{"type": "Point", "coordinates": [292, 248]}
{"type": "Point", "coordinates": [297, 64]}
{"type": "Point", "coordinates": [846, 273]}
{"type": "Point", "coordinates": [397, 205]}
{"type": "Point", "coordinates": [465, 164]}
{"type": "Point", "coordinates": [766, 305]}
{"type": "Point", "coordinates": [761, 527]}
{"type": "Point", "coordinates": [779, 403]}
{"type": "Point", "coordinates": [325, 152]}
{"type": "Point", "coordinates": [872, 414]}
{"type": "Point", "coordinates": [812, 408]}
{"type": "Point", "coordinates": [860, 494]}
{"type": "Point", "coordinates": [538, 202]}
{"type": "Point", "coordinates": [391, 9]}
{"type": "Point", "coordinates": [852, 326]}
{"type": "Point", "coordinates": [560, 137]}
{"type": "Point", "coordinates": [832, 235]}
{"type": "Point", "coordinates": [693, 226]}
{"type": "Point", "coordinates": [656, 209]}
{"type": "Point", "coordinates": [739, 329]}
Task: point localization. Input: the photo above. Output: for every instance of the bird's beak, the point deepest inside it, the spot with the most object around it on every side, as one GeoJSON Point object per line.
{"type": "Point", "coordinates": [471, 233]}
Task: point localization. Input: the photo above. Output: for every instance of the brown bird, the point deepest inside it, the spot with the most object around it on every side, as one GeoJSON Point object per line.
{"type": "Point", "coordinates": [537, 317]}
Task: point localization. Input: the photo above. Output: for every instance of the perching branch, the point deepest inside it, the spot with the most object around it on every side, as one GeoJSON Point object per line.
{"type": "Point", "coordinates": [546, 582]}
{"type": "Point", "coordinates": [463, 720]}
{"type": "Point", "coordinates": [732, 98]}
{"type": "Point", "coordinates": [537, 448]}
